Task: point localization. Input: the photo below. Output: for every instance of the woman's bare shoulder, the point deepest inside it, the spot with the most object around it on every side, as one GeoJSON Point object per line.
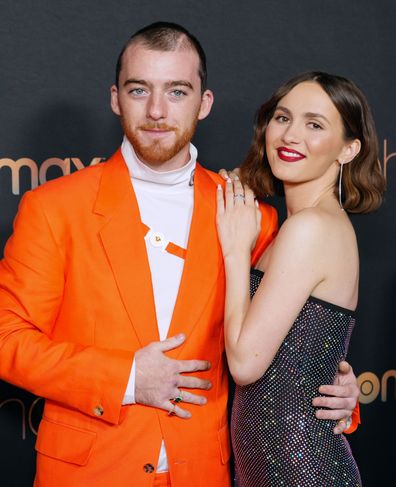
{"type": "Point", "coordinates": [308, 224]}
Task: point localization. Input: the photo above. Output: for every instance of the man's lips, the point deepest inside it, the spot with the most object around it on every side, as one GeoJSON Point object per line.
{"type": "Point", "coordinates": [157, 127]}
{"type": "Point", "coordinates": [156, 131]}
{"type": "Point", "coordinates": [289, 155]}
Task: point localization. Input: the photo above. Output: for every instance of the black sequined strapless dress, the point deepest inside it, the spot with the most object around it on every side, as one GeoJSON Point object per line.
{"type": "Point", "coordinates": [276, 438]}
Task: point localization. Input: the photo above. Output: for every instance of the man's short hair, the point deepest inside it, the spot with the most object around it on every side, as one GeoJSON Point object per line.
{"type": "Point", "coordinates": [166, 36]}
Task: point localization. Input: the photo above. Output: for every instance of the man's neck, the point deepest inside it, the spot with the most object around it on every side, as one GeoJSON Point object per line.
{"type": "Point", "coordinates": [177, 162]}
{"type": "Point", "coordinates": [149, 173]}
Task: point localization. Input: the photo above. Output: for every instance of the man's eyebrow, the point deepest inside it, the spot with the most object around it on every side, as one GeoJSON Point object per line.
{"type": "Point", "coordinates": [168, 84]}
{"type": "Point", "coordinates": [134, 81]}
{"type": "Point", "coordinates": [180, 82]}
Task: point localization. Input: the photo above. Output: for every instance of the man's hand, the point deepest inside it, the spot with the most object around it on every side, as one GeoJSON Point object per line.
{"type": "Point", "coordinates": [159, 379]}
{"type": "Point", "coordinates": [341, 398]}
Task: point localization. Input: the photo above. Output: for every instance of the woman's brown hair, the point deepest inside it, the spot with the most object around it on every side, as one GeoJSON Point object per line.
{"type": "Point", "coordinates": [363, 182]}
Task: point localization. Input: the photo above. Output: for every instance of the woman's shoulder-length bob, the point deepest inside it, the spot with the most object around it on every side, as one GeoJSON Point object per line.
{"type": "Point", "coordinates": [363, 182]}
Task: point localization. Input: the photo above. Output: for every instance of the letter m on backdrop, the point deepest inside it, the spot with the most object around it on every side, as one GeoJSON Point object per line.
{"type": "Point", "coordinates": [15, 168]}
{"type": "Point", "coordinates": [39, 176]}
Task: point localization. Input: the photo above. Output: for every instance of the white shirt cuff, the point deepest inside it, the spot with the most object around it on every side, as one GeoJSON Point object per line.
{"type": "Point", "coordinates": [129, 396]}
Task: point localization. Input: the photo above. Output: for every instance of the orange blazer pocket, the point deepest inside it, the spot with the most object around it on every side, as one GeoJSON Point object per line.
{"type": "Point", "coordinates": [64, 442]}
{"type": "Point", "coordinates": [225, 446]}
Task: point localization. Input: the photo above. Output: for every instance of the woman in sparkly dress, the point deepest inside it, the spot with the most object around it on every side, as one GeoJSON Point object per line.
{"type": "Point", "coordinates": [315, 143]}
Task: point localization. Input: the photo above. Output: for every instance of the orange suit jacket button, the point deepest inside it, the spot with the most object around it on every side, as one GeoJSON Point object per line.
{"type": "Point", "coordinates": [98, 411]}
{"type": "Point", "coordinates": [148, 468]}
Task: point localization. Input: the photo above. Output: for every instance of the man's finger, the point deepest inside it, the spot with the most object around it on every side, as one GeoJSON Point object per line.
{"type": "Point", "coordinates": [344, 367]}
{"type": "Point", "coordinates": [333, 402]}
{"type": "Point", "coordinates": [171, 343]}
{"type": "Point", "coordinates": [334, 414]}
{"type": "Point", "coordinates": [338, 430]}
{"type": "Point", "coordinates": [340, 426]}
{"type": "Point", "coordinates": [193, 365]}
{"type": "Point", "coordinates": [193, 383]}
{"type": "Point", "coordinates": [339, 391]}
{"type": "Point", "coordinates": [193, 398]}
{"type": "Point", "coordinates": [175, 410]}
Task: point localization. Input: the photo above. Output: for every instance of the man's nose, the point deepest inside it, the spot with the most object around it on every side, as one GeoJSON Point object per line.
{"type": "Point", "coordinates": [156, 107]}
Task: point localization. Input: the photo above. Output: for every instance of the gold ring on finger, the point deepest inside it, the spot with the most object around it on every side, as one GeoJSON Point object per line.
{"type": "Point", "coordinates": [172, 410]}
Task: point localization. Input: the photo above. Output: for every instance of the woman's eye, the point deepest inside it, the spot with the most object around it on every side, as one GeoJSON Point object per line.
{"type": "Point", "coordinates": [315, 125]}
{"type": "Point", "coordinates": [281, 118]}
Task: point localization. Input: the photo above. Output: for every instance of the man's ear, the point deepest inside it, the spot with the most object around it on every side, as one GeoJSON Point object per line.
{"type": "Point", "coordinates": [114, 100]}
{"type": "Point", "coordinates": [206, 104]}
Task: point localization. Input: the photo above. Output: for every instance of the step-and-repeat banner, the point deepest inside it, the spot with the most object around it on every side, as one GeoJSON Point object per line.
{"type": "Point", "coordinates": [57, 64]}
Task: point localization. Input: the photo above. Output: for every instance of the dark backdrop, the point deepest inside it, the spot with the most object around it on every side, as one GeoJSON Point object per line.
{"type": "Point", "coordinates": [56, 65]}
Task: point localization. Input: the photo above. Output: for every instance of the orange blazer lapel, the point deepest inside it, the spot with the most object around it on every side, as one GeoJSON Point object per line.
{"type": "Point", "coordinates": [203, 259]}
{"type": "Point", "coordinates": [123, 241]}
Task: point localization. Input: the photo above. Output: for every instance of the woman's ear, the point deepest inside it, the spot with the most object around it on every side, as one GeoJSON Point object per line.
{"type": "Point", "coordinates": [350, 151]}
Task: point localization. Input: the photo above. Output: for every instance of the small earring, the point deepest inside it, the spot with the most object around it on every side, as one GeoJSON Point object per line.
{"type": "Point", "coordinates": [340, 186]}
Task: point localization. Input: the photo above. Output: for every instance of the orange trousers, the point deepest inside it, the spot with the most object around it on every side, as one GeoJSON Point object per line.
{"type": "Point", "coordinates": [162, 480]}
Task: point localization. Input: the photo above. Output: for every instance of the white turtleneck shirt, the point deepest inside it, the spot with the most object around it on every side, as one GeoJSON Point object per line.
{"type": "Point", "coordinates": [166, 201]}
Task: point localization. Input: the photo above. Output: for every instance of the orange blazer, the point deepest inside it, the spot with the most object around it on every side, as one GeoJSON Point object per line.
{"type": "Point", "coordinates": [76, 301]}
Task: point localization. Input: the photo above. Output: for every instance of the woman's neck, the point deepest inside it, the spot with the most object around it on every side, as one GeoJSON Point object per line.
{"type": "Point", "coordinates": [299, 196]}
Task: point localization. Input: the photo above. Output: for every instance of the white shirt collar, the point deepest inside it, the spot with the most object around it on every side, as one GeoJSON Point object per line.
{"type": "Point", "coordinates": [140, 171]}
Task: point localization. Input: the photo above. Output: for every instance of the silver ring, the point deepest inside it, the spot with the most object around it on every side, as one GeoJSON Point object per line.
{"type": "Point", "coordinates": [239, 197]}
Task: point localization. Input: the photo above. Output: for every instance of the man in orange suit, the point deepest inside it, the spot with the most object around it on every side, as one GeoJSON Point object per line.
{"type": "Point", "coordinates": [112, 293]}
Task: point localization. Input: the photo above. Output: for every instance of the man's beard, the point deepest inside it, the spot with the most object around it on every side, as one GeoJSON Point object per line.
{"type": "Point", "coordinates": [156, 153]}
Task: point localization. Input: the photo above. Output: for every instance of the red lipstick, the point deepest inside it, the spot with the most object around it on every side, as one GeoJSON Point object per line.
{"type": "Point", "coordinates": [289, 155]}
